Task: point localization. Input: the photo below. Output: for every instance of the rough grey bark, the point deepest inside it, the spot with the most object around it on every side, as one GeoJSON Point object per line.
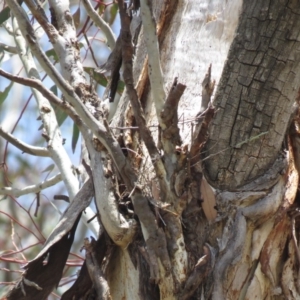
{"type": "Point", "coordinates": [254, 106]}
{"type": "Point", "coordinates": [256, 94]}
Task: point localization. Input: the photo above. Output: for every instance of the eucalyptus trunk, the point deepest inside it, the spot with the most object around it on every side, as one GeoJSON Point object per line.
{"type": "Point", "coordinates": [201, 203]}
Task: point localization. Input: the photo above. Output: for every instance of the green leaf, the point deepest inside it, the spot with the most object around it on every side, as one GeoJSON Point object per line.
{"type": "Point", "coordinates": [53, 89]}
{"type": "Point", "coordinates": [121, 86]}
{"type": "Point", "coordinates": [102, 80]}
{"type": "Point", "coordinates": [101, 9]}
{"type": "Point", "coordinates": [52, 53]}
{"type": "Point", "coordinates": [75, 137]}
{"type": "Point", "coordinates": [48, 169]}
{"type": "Point", "coordinates": [60, 114]}
{"type": "Point", "coordinates": [99, 78]}
{"type": "Point", "coordinates": [4, 15]}
{"type": "Point", "coordinates": [4, 94]}
{"type": "Point", "coordinates": [113, 13]}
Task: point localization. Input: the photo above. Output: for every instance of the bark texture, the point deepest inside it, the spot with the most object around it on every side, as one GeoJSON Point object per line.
{"type": "Point", "coordinates": [255, 96]}
{"type": "Point", "coordinates": [170, 235]}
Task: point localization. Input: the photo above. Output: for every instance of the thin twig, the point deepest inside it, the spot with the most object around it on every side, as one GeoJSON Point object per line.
{"type": "Point", "coordinates": [38, 196]}
{"type": "Point", "coordinates": [90, 48]}
{"type": "Point", "coordinates": [31, 188]}
{"type": "Point", "coordinates": [8, 48]}
{"type": "Point", "coordinates": [37, 151]}
{"type": "Point", "coordinates": [111, 39]}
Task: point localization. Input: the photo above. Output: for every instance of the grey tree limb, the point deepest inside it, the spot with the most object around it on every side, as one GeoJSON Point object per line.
{"type": "Point", "coordinates": [37, 151]}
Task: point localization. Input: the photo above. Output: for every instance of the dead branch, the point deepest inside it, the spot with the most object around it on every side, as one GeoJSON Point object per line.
{"type": "Point", "coordinates": [95, 271]}
{"type": "Point", "coordinates": [83, 284]}
{"type": "Point", "coordinates": [38, 151]}
{"type": "Point", "coordinates": [169, 114]}
{"type": "Point", "coordinates": [127, 54]}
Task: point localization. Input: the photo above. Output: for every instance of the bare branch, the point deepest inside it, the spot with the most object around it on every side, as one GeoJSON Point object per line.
{"type": "Point", "coordinates": [153, 235]}
{"type": "Point", "coordinates": [111, 39]}
{"type": "Point", "coordinates": [118, 228]}
{"type": "Point", "coordinates": [38, 85]}
{"type": "Point", "coordinates": [127, 53]}
{"type": "Point", "coordinates": [62, 35]}
{"type": "Point", "coordinates": [97, 128]}
{"type": "Point", "coordinates": [37, 151]}
{"type": "Point", "coordinates": [7, 48]}
{"type": "Point", "coordinates": [154, 67]}
{"type": "Point", "coordinates": [81, 202]}
{"type": "Point", "coordinates": [234, 249]}
{"type": "Point", "coordinates": [69, 60]}
{"type": "Point", "coordinates": [55, 145]}
{"type": "Point", "coordinates": [95, 272]}
{"type": "Point", "coordinates": [155, 239]}
{"type": "Point", "coordinates": [116, 225]}
{"type": "Point", "coordinates": [208, 86]}
{"type": "Point", "coordinates": [200, 134]}
{"type": "Point", "coordinates": [36, 188]}
{"type": "Point", "coordinates": [169, 116]}
{"type": "Point", "coordinates": [202, 268]}
{"type": "Point", "coordinates": [51, 127]}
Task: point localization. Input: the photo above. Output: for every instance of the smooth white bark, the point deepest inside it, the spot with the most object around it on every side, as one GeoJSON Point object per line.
{"type": "Point", "coordinates": [154, 66]}
{"type": "Point", "coordinates": [36, 188]}
{"type": "Point", "coordinates": [111, 39]}
{"type": "Point", "coordinates": [38, 151]}
{"type": "Point", "coordinates": [52, 131]}
{"type": "Point", "coordinates": [200, 34]}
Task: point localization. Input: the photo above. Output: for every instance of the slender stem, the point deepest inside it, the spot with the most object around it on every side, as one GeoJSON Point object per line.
{"type": "Point", "coordinates": [37, 151]}
{"type": "Point", "coordinates": [31, 188]}
{"type": "Point", "coordinates": [111, 39]}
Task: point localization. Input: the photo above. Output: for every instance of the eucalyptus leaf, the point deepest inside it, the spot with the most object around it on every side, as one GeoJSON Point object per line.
{"type": "Point", "coordinates": [5, 13]}
{"type": "Point", "coordinates": [4, 94]}
{"type": "Point", "coordinates": [98, 77]}
{"type": "Point", "coordinates": [52, 53]}
{"type": "Point", "coordinates": [75, 137]}
{"type": "Point", "coordinates": [53, 89]}
{"type": "Point", "coordinates": [76, 18]}
{"type": "Point", "coordinates": [113, 13]}
{"type": "Point", "coordinates": [61, 116]}
{"type": "Point", "coordinates": [102, 80]}
{"type": "Point", "coordinates": [48, 169]}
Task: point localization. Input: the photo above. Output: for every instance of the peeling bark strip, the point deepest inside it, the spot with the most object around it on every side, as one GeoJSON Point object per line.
{"type": "Point", "coordinates": [40, 279]}
{"type": "Point", "coordinates": [56, 250]}
{"type": "Point", "coordinates": [165, 246]}
{"type": "Point", "coordinates": [244, 250]}
{"type": "Point", "coordinates": [127, 54]}
{"type": "Point", "coordinates": [95, 271]}
{"type": "Point", "coordinates": [169, 114]}
{"type": "Point", "coordinates": [83, 286]}
{"type": "Point", "coordinates": [203, 266]}
{"type": "Point", "coordinates": [259, 84]}
{"type": "Point", "coordinates": [155, 237]}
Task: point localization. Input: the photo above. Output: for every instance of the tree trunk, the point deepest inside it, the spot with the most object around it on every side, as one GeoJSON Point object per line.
{"type": "Point", "coordinates": [201, 205]}
{"type": "Point", "coordinates": [244, 156]}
